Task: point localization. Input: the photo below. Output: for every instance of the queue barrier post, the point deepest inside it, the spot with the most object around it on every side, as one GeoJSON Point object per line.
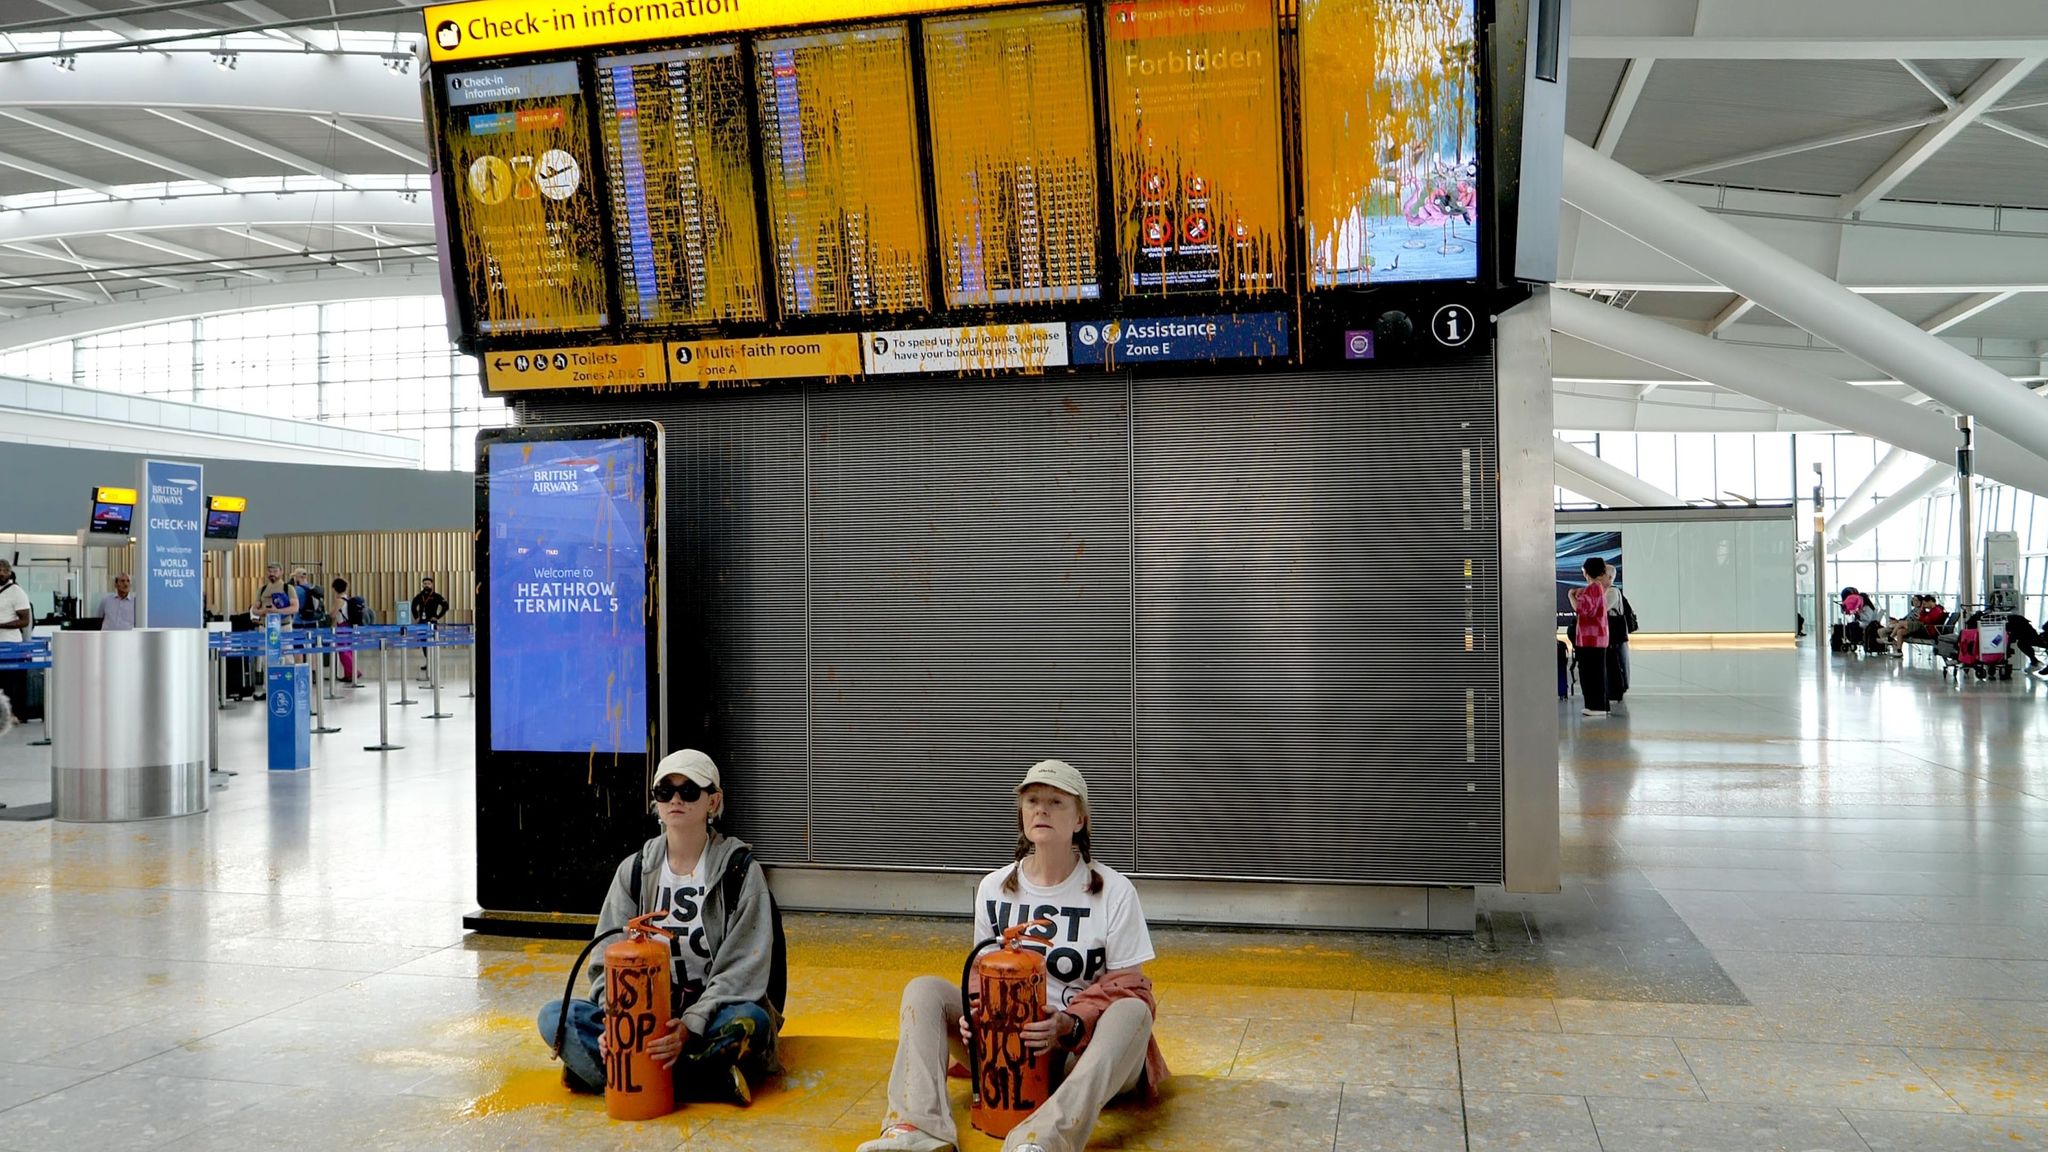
{"type": "Point", "coordinates": [383, 743]}
{"type": "Point", "coordinates": [434, 672]}
{"type": "Point", "coordinates": [404, 694]}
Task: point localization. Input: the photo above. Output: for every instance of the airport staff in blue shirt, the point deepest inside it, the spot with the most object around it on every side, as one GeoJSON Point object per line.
{"type": "Point", "coordinates": [117, 608]}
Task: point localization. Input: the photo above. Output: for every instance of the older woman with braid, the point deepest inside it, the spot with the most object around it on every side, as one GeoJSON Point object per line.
{"type": "Point", "coordinates": [1099, 1000]}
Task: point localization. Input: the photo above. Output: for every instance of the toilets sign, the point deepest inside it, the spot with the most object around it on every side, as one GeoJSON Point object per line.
{"type": "Point", "coordinates": [168, 537]}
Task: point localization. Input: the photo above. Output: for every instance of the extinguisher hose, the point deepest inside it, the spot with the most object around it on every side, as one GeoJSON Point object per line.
{"type": "Point", "coordinates": [569, 989]}
{"type": "Point", "coordinates": [967, 1005]}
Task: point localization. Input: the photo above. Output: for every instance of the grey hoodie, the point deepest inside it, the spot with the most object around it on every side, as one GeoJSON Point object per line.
{"type": "Point", "coordinates": [740, 962]}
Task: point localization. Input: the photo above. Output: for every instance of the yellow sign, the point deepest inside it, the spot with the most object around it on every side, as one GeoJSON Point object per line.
{"type": "Point", "coordinates": [127, 495]}
{"type": "Point", "coordinates": [708, 362]}
{"type": "Point", "coordinates": [594, 366]}
{"type": "Point", "coordinates": [483, 28]}
{"type": "Point", "coordinates": [227, 503]}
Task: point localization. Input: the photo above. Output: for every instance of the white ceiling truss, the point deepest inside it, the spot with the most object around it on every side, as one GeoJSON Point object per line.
{"type": "Point", "coordinates": [1899, 147]}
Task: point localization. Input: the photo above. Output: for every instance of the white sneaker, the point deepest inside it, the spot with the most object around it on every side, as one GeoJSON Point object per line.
{"type": "Point", "coordinates": [905, 1138]}
{"type": "Point", "coordinates": [1592, 715]}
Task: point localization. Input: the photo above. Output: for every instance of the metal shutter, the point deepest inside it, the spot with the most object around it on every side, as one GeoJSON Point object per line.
{"type": "Point", "coordinates": [1318, 669]}
{"type": "Point", "coordinates": [970, 613]}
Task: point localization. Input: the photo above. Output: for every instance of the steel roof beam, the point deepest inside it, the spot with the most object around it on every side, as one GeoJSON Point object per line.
{"type": "Point", "coordinates": [285, 83]}
{"type": "Point", "coordinates": [108, 144]}
{"type": "Point", "coordinates": [1835, 402]}
{"type": "Point", "coordinates": [213, 258]}
{"type": "Point", "coordinates": [69, 257]}
{"type": "Point", "coordinates": [250, 143]}
{"type": "Point", "coordinates": [1976, 100]}
{"type": "Point", "coordinates": [42, 327]}
{"type": "Point", "coordinates": [1612, 486]}
{"type": "Point", "coordinates": [1803, 296]}
{"type": "Point", "coordinates": [1623, 106]}
{"type": "Point", "coordinates": [242, 209]}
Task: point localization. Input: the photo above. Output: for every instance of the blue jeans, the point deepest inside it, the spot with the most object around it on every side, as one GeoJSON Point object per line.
{"type": "Point", "coordinates": [586, 1024]}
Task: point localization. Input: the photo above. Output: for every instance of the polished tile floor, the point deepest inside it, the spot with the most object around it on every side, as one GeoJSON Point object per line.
{"type": "Point", "coordinates": [1802, 911]}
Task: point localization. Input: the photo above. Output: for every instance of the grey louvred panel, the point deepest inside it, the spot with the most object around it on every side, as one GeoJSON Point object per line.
{"type": "Point", "coordinates": [1303, 689]}
{"type": "Point", "coordinates": [1304, 609]}
{"type": "Point", "coordinates": [735, 593]}
{"type": "Point", "coordinates": [970, 613]}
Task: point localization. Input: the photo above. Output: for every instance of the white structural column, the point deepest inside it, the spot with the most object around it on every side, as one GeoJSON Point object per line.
{"type": "Point", "coordinates": [1917, 489]}
{"type": "Point", "coordinates": [1888, 470]}
{"type": "Point", "coordinates": [1834, 401]}
{"type": "Point", "coordinates": [1715, 248]}
{"type": "Point", "coordinates": [1589, 475]}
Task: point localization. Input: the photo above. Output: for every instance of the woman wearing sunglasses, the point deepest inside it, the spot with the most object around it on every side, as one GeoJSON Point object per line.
{"type": "Point", "coordinates": [1098, 1022]}
{"type": "Point", "coordinates": [723, 1026]}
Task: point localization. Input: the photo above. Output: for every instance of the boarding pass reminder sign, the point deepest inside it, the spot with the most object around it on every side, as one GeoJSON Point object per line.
{"type": "Point", "coordinates": [983, 348]}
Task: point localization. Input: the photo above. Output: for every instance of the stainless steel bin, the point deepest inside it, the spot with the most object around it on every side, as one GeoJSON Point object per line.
{"type": "Point", "coordinates": [128, 724]}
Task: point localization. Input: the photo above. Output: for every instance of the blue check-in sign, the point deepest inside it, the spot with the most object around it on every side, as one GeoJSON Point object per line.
{"type": "Point", "coordinates": [1154, 339]}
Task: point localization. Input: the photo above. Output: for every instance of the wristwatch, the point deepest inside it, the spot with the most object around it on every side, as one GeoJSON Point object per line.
{"type": "Point", "coordinates": [1073, 1037]}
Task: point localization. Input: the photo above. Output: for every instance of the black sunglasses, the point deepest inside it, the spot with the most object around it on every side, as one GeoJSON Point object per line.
{"type": "Point", "coordinates": [688, 790]}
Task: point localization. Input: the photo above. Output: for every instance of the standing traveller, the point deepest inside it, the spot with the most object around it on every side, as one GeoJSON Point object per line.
{"type": "Point", "coordinates": [428, 606]}
{"type": "Point", "coordinates": [117, 608]}
{"type": "Point", "coordinates": [1620, 622]}
{"type": "Point", "coordinates": [721, 951]}
{"type": "Point", "coordinates": [1589, 604]}
{"type": "Point", "coordinates": [312, 602]}
{"type": "Point", "coordinates": [347, 611]}
{"type": "Point", "coordinates": [1099, 998]}
{"type": "Point", "coordinates": [17, 621]}
{"type": "Point", "coordinates": [275, 598]}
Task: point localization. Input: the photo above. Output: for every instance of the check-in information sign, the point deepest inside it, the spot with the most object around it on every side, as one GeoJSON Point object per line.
{"type": "Point", "coordinates": [169, 527]}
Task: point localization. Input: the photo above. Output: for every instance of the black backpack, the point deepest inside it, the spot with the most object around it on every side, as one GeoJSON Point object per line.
{"type": "Point", "coordinates": [734, 882]}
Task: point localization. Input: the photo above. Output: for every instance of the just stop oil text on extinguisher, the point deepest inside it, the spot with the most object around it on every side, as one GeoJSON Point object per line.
{"type": "Point", "coordinates": [636, 1010]}
{"type": "Point", "coordinates": [1010, 1081]}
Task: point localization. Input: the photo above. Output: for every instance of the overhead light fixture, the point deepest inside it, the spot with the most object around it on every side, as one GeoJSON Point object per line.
{"type": "Point", "coordinates": [225, 61]}
{"type": "Point", "coordinates": [398, 65]}
{"type": "Point", "coordinates": [65, 63]}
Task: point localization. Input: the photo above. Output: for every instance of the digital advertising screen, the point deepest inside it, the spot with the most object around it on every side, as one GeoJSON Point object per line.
{"type": "Point", "coordinates": [845, 190]}
{"type": "Point", "coordinates": [1573, 550]}
{"type": "Point", "coordinates": [1013, 152]}
{"type": "Point", "coordinates": [674, 127]}
{"type": "Point", "coordinates": [1195, 157]}
{"type": "Point", "coordinates": [223, 525]}
{"type": "Point", "coordinates": [567, 604]}
{"type": "Point", "coordinates": [527, 223]}
{"type": "Point", "coordinates": [1390, 140]}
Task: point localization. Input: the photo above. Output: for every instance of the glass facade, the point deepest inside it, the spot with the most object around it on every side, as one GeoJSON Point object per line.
{"type": "Point", "coordinates": [1914, 551]}
{"type": "Point", "coordinates": [384, 365]}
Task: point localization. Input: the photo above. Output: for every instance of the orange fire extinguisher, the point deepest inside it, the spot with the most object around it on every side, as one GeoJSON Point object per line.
{"type": "Point", "coordinates": [636, 1003]}
{"type": "Point", "coordinates": [1010, 1082]}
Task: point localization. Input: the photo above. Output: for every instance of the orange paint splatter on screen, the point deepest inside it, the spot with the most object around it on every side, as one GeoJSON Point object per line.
{"type": "Point", "coordinates": [525, 200]}
{"type": "Point", "coordinates": [1388, 136]}
{"type": "Point", "coordinates": [682, 186]}
{"type": "Point", "coordinates": [1013, 142]}
{"type": "Point", "coordinates": [840, 148]}
{"type": "Point", "coordinates": [1194, 112]}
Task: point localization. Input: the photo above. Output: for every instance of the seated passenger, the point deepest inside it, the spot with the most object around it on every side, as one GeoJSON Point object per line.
{"type": "Point", "coordinates": [723, 1024]}
{"type": "Point", "coordinates": [1101, 1005]}
{"type": "Point", "coordinates": [1904, 626]}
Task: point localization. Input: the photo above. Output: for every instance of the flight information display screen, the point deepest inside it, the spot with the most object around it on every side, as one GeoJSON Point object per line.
{"type": "Point", "coordinates": [525, 207]}
{"type": "Point", "coordinates": [845, 189]}
{"type": "Point", "coordinates": [1195, 161]}
{"type": "Point", "coordinates": [1013, 153]}
{"type": "Point", "coordinates": [1390, 140]}
{"type": "Point", "coordinates": [682, 185]}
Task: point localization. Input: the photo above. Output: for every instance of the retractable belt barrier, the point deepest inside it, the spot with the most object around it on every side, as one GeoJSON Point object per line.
{"type": "Point", "coordinates": [315, 644]}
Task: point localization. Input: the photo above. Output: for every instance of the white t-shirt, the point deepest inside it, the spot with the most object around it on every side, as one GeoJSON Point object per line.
{"type": "Point", "coordinates": [13, 599]}
{"type": "Point", "coordinates": [1091, 934]}
{"type": "Point", "coordinates": [683, 896]}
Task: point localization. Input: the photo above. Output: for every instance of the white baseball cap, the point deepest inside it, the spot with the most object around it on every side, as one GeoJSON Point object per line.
{"type": "Point", "coordinates": [1056, 774]}
{"type": "Point", "coordinates": [690, 764]}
